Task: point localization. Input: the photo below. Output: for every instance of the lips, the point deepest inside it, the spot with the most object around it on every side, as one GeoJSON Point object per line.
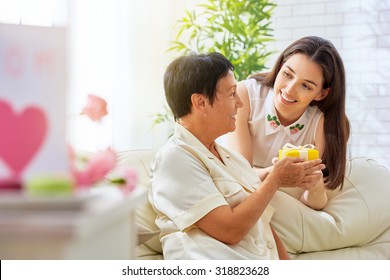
{"type": "Point", "coordinates": [286, 99]}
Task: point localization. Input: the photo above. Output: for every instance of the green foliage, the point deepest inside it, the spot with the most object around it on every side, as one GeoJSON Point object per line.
{"type": "Point", "coordinates": [238, 29]}
{"type": "Point", "coordinates": [165, 116]}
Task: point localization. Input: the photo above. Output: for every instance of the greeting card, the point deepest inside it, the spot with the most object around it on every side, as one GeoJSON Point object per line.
{"type": "Point", "coordinates": [32, 101]}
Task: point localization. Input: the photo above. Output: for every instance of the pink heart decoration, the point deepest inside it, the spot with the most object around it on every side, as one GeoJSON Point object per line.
{"type": "Point", "coordinates": [21, 135]}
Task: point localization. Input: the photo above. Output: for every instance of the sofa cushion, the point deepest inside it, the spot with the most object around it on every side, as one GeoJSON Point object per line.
{"type": "Point", "coordinates": [355, 216]}
{"type": "Point", "coordinates": [148, 232]}
{"type": "Point", "coordinates": [378, 249]}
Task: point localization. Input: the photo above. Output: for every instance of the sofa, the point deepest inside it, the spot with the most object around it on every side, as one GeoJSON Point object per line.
{"type": "Point", "coordinates": [355, 224]}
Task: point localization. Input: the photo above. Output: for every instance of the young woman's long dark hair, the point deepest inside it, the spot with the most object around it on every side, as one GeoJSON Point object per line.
{"type": "Point", "coordinates": [336, 124]}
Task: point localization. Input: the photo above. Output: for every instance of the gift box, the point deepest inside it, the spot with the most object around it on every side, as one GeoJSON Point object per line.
{"type": "Point", "coordinates": [307, 152]}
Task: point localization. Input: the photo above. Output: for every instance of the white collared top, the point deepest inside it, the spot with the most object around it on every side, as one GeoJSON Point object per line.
{"type": "Point", "coordinates": [268, 135]}
{"type": "Point", "coordinates": [188, 182]}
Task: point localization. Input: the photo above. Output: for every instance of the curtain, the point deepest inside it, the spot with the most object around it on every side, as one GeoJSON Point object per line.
{"type": "Point", "coordinates": [117, 49]}
{"type": "Point", "coordinates": [118, 52]}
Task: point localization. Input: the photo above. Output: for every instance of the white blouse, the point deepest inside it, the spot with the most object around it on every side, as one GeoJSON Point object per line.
{"type": "Point", "coordinates": [188, 182]}
{"type": "Point", "coordinates": [268, 135]}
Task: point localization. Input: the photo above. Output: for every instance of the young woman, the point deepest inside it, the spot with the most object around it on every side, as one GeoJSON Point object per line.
{"type": "Point", "coordinates": [301, 101]}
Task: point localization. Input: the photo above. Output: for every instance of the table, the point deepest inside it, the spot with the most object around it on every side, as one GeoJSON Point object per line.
{"type": "Point", "coordinates": [99, 225]}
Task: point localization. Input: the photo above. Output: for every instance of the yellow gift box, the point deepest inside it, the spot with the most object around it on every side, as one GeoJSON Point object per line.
{"type": "Point", "coordinates": [307, 152]}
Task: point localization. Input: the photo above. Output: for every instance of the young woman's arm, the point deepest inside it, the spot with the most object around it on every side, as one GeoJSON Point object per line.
{"type": "Point", "coordinates": [283, 254]}
{"type": "Point", "coordinates": [316, 196]}
{"type": "Point", "coordinates": [240, 140]}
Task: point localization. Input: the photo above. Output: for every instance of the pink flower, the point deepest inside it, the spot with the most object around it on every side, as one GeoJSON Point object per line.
{"type": "Point", "coordinates": [273, 124]}
{"type": "Point", "coordinates": [126, 178]}
{"type": "Point", "coordinates": [95, 168]}
{"type": "Point", "coordinates": [96, 108]}
{"type": "Point", "coordinates": [294, 130]}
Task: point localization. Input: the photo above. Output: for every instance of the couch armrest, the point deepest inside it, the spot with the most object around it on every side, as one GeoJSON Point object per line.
{"type": "Point", "coordinates": [148, 232]}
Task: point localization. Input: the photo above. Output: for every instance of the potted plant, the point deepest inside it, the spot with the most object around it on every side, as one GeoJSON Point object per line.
{"type": "Point", "coordinates": [238, 29]}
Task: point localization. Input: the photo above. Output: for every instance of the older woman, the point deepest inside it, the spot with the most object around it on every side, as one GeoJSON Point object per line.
{"type": "Point", "coordinates": [210, 204]}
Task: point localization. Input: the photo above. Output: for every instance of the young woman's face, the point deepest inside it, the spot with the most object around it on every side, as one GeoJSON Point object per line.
{"type": "Point", "coordinates": [224, 109]}
{"type": "Point", "coordinates": [297, 84]}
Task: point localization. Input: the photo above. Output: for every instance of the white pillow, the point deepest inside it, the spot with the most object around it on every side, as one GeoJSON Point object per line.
{"type": "Point", "coordinates": [148, 232]}
{"type": "Point", "coordinates": [354, 216]}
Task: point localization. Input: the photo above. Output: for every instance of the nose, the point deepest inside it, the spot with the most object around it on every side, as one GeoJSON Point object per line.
{"type": "Point", "coordinates": [290, 87]}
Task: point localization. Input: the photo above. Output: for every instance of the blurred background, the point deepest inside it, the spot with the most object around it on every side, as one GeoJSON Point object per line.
{"type": "Point", "coordinates": [117, 49]}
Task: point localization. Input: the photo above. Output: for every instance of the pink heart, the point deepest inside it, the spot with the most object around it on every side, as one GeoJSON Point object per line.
{"type": "Point", "coordinates": [21, 135]}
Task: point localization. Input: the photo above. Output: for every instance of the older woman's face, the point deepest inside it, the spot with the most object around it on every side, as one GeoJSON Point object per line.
{"type": "Point", "coordinates": [223, 112]}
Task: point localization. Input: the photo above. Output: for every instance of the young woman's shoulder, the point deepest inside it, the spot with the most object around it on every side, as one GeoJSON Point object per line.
{"type": "Point", "coordinates": [255, 89]}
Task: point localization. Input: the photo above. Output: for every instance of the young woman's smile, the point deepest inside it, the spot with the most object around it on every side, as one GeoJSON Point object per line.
{"type": "Point", "coordinates": [297, 84]}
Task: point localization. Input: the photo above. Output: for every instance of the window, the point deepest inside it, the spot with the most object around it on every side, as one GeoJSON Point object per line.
{"type": "Point", "coordinates": [117, 50]}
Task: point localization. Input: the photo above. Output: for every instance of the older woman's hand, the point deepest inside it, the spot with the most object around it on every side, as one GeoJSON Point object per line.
{"type": "Point", "coordinates": [294, 172]}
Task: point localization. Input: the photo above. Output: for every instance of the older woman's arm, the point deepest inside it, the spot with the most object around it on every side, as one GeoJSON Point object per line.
{"type": "Point", "coordinates": [230, 225]}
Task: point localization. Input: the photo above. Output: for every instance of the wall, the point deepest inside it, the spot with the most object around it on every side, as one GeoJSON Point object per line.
{"type": "Point", "coordinates": [360, 30]}
{"type": "Point", "coordinates": [118, 50]}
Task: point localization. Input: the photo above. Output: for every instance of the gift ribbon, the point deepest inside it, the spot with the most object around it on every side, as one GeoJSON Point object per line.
{"type": "Point", "coordinates": [290, 146]}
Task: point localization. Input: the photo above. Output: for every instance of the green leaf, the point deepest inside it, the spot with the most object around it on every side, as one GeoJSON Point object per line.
{"type": "Point", "coordinates": [238, 29]}
{"type": "Point", "coordinates": [117, 181]}
{"type": "Point", "coordinates": [165, 116]}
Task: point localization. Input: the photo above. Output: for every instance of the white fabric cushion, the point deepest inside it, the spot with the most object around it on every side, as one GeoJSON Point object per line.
{"type": "Point", "coordinates": [148, 232]}
{"type": "Point", "coordinates": [378, 249]}
{"type": "Point", "coordinates": [355, 216]}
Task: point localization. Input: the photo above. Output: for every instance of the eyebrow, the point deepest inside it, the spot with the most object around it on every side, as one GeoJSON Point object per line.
{"type": "Point", "coordinates": [233, 86]}
{"type": "Point", "coordinates": [311, 82]}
